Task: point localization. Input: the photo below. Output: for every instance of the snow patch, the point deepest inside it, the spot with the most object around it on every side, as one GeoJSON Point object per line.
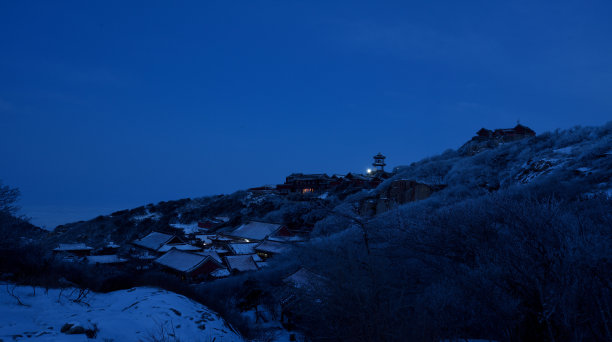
{"type": "Point", "coordinates": [188, 228]}
{"type": "Point", "coordinates": [147, 215]}
{"type": "Point", "coordinates": [564, 150]}
{"type": "Point", "coordinates": [535, 168]}
{"type": "Point", "coordinates": [127, 315]}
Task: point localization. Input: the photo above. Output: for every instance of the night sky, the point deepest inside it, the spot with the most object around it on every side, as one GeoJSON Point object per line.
{"type": "Point", "coordinates": [106, 105]}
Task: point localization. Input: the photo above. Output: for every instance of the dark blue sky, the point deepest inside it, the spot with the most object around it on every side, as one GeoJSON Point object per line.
{"type": "Point", "coordinates": [106, 105]}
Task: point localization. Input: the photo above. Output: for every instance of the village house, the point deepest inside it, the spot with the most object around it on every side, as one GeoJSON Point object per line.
{"type": "Point", "coordinates": [298, 287]}
{"type": "Point", "coordinates": [106, 259]}
{"type": "Point", "coordinates": [220, 273]}
{"type": "Point", "coordinates": [109, 249]}
{"type": "Point", "coordinates": [188, 265]}
{"type": "Point", "coordinates": [304, 279]}
{"type": "Point", "coordinates": [155, 240]}
{"type": "Point", "coordinates": [73, 249]}
{"type": "Point", "coordinates": [240, 263]}
{"type": "Point", "coordinates": [262, 189]}
{"type": "Point", "coordinates": [180, 246]}
{"type": "Point", "coordinates": [294, 235]}
{"type": "Point", "coordinates": [319, 182]}
{"type": "Point", "coordinates": [157, 243]}
{"type": "Point", "coordinates": [211, 253]}
{"type": "Point", "coordinates": [242, 248]}
{"type": "Point", "coordinates": [305, 183]}
{"type": "Point", "coordinates": [208, 223]}
{"type": "Point", "coordinates": [256, 231]}
{"type": "Point", "coordinates": [506, 134]}
{"type": "Point", "coordinates": [205, 239]}
{"type": "Point", "coordinates": [268, 248]}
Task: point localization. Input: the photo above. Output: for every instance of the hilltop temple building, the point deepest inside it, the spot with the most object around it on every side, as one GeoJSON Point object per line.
{"type": "Point", "coordinates": [319, 182]}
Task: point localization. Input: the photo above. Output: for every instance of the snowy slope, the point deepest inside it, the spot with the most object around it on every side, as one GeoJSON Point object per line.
{"type": "Point", "coordinates": [581, 156]}
{"type": "Point", "coordinates": [137, 314]}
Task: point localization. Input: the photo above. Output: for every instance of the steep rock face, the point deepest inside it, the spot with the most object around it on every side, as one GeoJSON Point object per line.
{"type": "Point", "coordinates": [405, 190]}
{"type": "Point", "coordinates": [535, 168]}
{"type": "Point", "coordinates": [399, 192]}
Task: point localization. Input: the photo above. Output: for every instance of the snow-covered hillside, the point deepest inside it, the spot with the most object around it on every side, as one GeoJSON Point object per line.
{"type": "Point", "coordinates": [137, 314]}
{"type": "Point", "coordinates": [580, 157]}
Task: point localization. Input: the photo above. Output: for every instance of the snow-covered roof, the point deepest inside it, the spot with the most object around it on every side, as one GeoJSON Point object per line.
{"type": "Point", "coordinates": [182, 261]}
{"type": "Point", "coordinates": [220, 273]}
{"type": "Point", "coordinates": [188, 228]}
{"type": "Point", "coordinates": [154, 240]}
{"type": "Point", "coordinates": [254, 230]}
{"type": "Point", "coordinates": [222, 218]}
{"type": "Point", "coordinates": [241, 263]}
{"type": "Point", "coordinates": [212, 254]}
{"type": "Point", "coordinates": [67, 247]}
{"type": "Point", "coordinates": [112, 245]}
{"type": "Point", "coordinates": [105, 259]}
{"type": "Point", "coordinates": [294, 238]}
{"type": "Point", "coordinates": [205, 238]}
{"type": "Point", "coordinates": [145, 256]}
{"type": "Point", "coordinates": [221, 238]}
{"type": "Point", "coordinates": [180, 247]}
{"type": "Point", "coordinates": [242, 248]}
{"type": "Point", "coordinates": [218, 250]}
{"type": "Point", "coordinates": [303, 278]}
{"type": "Point", "coordinates": [272, 247]}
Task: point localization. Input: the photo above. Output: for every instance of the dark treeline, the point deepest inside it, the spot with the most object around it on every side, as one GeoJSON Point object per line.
{"type": "Point", "coordinates": [513, 266]}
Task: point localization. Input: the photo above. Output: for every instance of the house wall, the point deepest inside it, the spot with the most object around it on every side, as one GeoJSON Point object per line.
{"type": "Point", "coordinates": [205, 269]}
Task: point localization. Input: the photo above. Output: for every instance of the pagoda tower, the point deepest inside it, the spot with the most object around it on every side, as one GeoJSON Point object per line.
{"type": "Point", "coordinates": [379, 163]}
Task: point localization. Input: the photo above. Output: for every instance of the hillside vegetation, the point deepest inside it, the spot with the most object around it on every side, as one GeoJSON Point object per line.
{"type": "Point", "coordinates": [516, 246]}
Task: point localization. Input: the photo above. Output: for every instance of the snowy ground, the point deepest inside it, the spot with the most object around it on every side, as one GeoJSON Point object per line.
{"type": "Point", "coordinates": [138, 314]}
{"type": "Point", "coordinates": [188, 228]}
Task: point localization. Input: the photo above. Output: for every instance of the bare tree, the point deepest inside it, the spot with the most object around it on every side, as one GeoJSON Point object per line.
{"type": "Point", "coordinates": [8, 198]}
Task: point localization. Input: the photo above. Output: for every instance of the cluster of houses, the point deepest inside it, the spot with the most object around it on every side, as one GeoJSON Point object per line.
{"type": "Point", "coordinates": [210, 256]}
{"type": "Point", "coordinates": [106, 255]}
{"type": "Point", "coordinates": [201, 257]}
{"type": "Point", "coordinates": [319, 182]}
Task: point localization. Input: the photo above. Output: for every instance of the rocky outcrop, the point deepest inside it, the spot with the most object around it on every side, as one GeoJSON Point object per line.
{"type": "Point", "coordinates": [399, 192]}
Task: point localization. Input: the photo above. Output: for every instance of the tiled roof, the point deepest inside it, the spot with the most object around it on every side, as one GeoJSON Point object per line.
{"type": "Point", "coordinates": [66, 247]}
{"type": "Point", "coordinates": [242, 248]}
{"type": "Point", "coordinates": [241, 263]}
{"type": "Point", "coordinates": [182, 261]}
{"type": "Point", "coordinates": [272, 247]}
{"type": "Point", "coordinates": [105, 259]}
{"type": "Point", "coordinates": [153, 241]}
{"type": "Point", "coordinates": [254, 230]}
{"type": "Point", "coordinates": [180, 247]}
{"type": "Point", "coordinates": [213, 254]}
